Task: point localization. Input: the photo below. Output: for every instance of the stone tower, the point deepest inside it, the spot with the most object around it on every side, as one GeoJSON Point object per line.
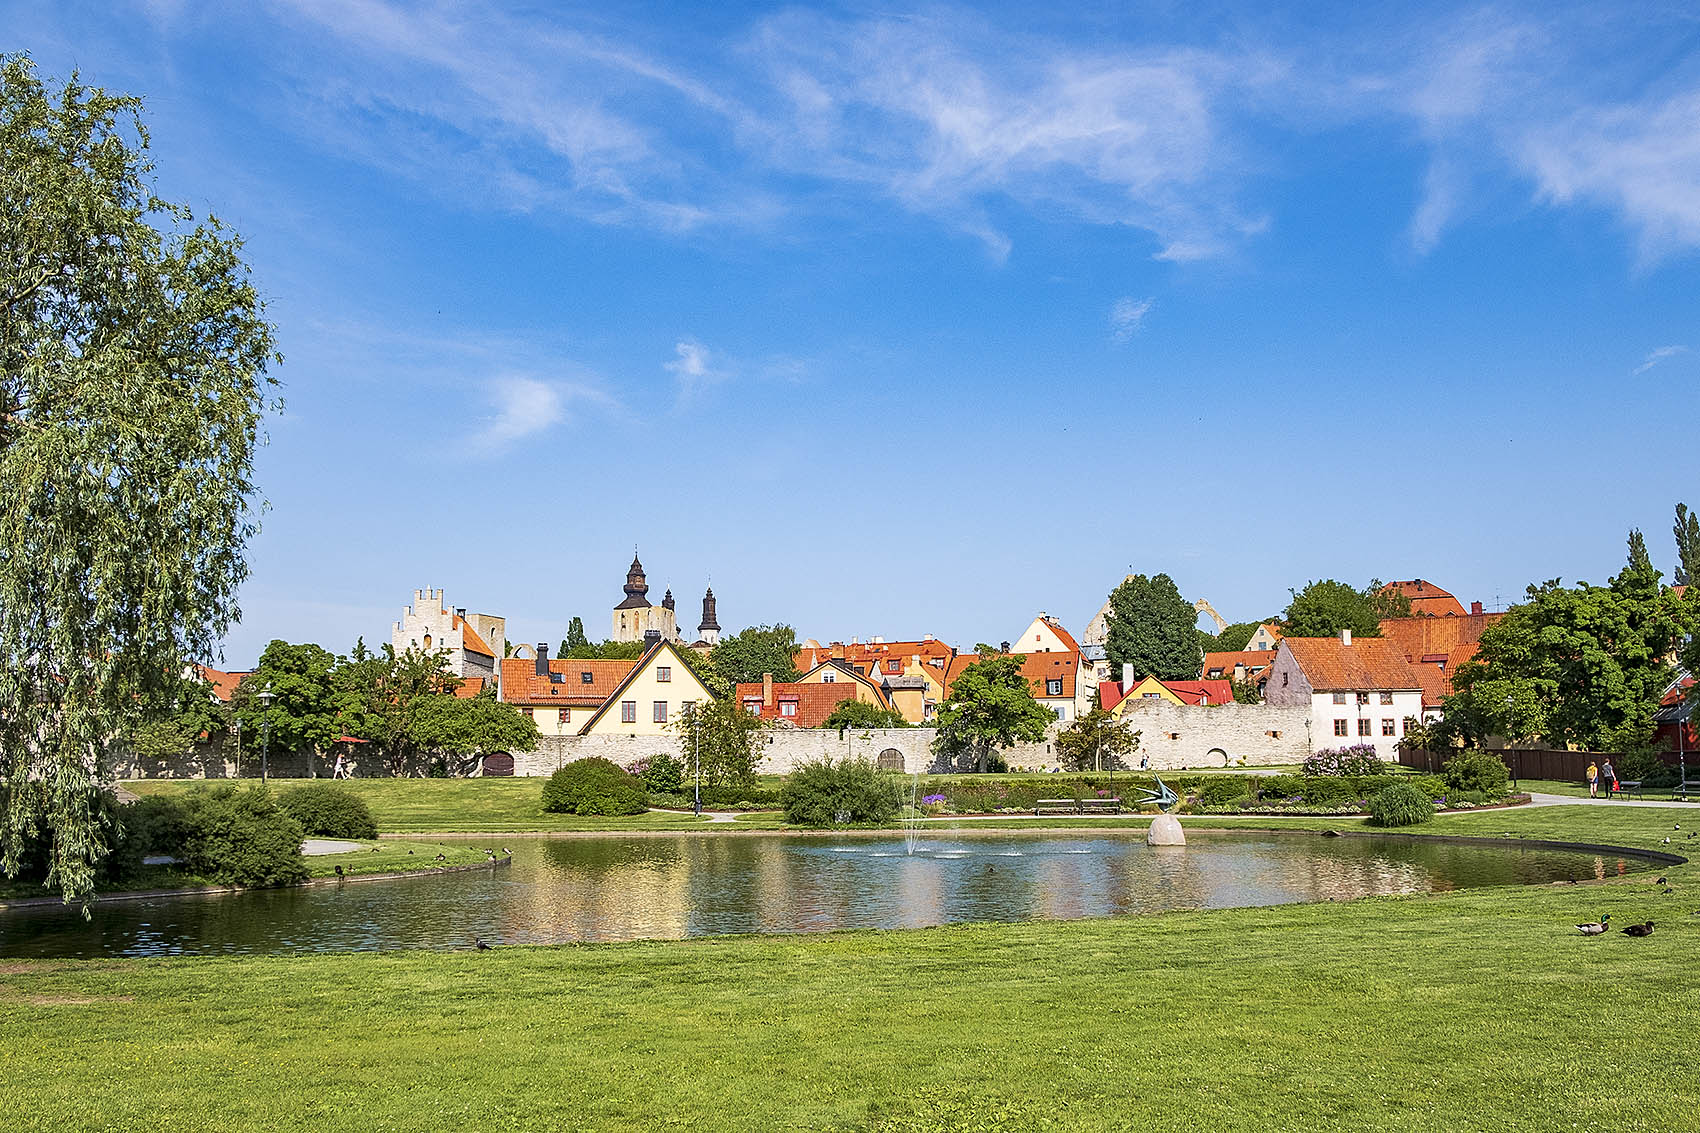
{"type": "Point", "coordinates": [709, 631]}
{"type": "Point", "coordinates": [635, 616]}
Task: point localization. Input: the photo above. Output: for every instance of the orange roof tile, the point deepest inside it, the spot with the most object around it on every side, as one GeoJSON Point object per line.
{"type": "Point", "coordinates": [1330, 665]}
{"type": "Point", "coordinates": [1036, 667]}
{"type": "Point", "coordinates": [1254, 660]}
{"type": "Point", "coordinates": [470, 687]}
{"type": "Point", "coordinates": [522, 685]}
{"type": "Point", "coordinates": [224, 684]}
{"type": "Point", "coordinates": [1427, 599]}
{"type": "Point", "coordinates": [814, 702]}
{"type": "Point", "coordinates": [470, 641]}
{"type": "Point", "coordinates": [1067, 637]}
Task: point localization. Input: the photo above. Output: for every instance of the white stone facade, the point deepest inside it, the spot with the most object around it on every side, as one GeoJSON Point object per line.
{"type": "Point", "coordinates": [430, 624]}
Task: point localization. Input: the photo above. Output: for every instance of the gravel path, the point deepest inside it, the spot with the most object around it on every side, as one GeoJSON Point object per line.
{"type": "Point", "coordinates": [318, 847]}
{"type": "Point", "coordinates": [1537, 799]}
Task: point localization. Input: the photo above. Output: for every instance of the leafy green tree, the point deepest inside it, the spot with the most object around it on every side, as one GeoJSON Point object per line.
{"type": "Point", "coordinates": [1687, 532]}
{"type": "Point", "coordinates": [722, 739]}
{"type": "Point", "coordinates": [192, 714]}
{"type": "Point", "coordinates": [1583, 664]}
{"type": "Point", "coordinates": [460, 729]}
{"type": "Point", "coordinates": [990, 706]}
{"type": "Point", "coordinates": [1097, 741]}
{"type": "Point", "coordinates": [1153, 631]}
{"type": "Point", "coordinates": [133, 358]}
{"type": "Point", "coordinates": [378, 698]}
{"type": "Point", "coordinates": [1245, 692]}
{"type": "Point", "coordinates": [575, 638]}
{"type": "Point", "coordinates": [304, 714]}
{"type": "Point", "coordinates": [853, 713]}
{"type": "Point", "coordinates": [1236, 637]}
{"type": "Point", "coordinates": [609, 650]}
{"type": "Point", "coordinates": [1323, 609]}
{"type": "Point", "coordinates": [754, 651]}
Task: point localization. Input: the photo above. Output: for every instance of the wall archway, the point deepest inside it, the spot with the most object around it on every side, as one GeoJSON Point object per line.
{"type": "Point", "coordinates": [890, 760]}
{"type": "Point", "coordinates": [497, 763]}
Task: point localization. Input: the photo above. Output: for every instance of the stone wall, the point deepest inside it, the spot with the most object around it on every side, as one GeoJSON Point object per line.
{"type": "Point", "coordinates": [1173, 736]}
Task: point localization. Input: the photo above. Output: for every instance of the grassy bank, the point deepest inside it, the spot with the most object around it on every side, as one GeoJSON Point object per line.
{"type": "Point", "coordinates": [1464, 1011]}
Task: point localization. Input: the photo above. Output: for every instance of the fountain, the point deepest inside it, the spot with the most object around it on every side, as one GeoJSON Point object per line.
{"type": "Point", "coordinates": [909, 811]}
{"type": "Point", "coordinates": [1165, 828]}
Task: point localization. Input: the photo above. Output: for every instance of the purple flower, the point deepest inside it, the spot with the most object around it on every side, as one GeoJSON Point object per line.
{"type": "Point", "coordinates": [932, 800]}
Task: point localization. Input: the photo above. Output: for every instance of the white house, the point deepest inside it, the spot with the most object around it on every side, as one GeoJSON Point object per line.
{"type": "Point", "coordinates": [1361, 692]}
{"type": "Point", "coordinates": [473, 643]}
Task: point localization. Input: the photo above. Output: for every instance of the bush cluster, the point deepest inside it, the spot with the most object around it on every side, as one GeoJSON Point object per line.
{"type": "Point", "coordinates": [1219, 790]}
{"type": "Point", "coordinates": [1476, 771]}
{"type": "Point", "coordinates": [1400, 804]}
{"type": "Point", "coordinates": [325, 811]}
{"type": "Point", "coordinates": [1280, 786]}
{"type": "Point", "coordinates": [1359, 759]}
{"type": "Point", "coordinates": [593, 786]}
{"type": "Point", "coordinates": [1431, 785]}
{"type": "Point", "coordinates": [223, 834]}
{"type": "Point", "coordinates": [849, 792]}
{"type": "Point", "coordinates": [661, 772]}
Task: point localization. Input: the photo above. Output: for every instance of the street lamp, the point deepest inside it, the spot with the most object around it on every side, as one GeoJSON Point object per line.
{"type": "Point", "coordinates": [239, 747]}
{"type": "Point", "coordinates": [1516, 756]}
{"type": "Point", "coordinates": [696, 756]}
{"type": "Point", "coordinates": [266, 696]}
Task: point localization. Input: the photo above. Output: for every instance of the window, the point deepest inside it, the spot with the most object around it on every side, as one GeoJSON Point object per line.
{"type": "Point", "coordinates": [1283, 680]}
{"type": "Point", "coordinates": [1339, 727]}
{"type": "Point", "coordinates": [1387, 698]}
{"type": "Point", "coordinates": [1387, 727]}
{"type": "Point", "coordinates": [829, 678]}
{"type": "Point", "coordinates": [787, 707]}
{"type": "Point", "coordinates": [1363, 699]}
{"type": "Point", "coordinates": [687, 705]}
{"type": "Point", "coordinates": [1053, 687]}
{"type": "Point", "coordinates": [753, 707]}
{"type": "Point", "coordinates": [562, 714]}
{"type": "Point", "coordinates": [1363, 725]}
{"type": "Point", "coordinates": [660, 711]}
{"type": "Point", "coordinates": [585, 677]}
{"type": "Point", "coordinates": [628, 711]}
{"type": "Point", "coordinates": [1151, 696]}
{"type": "Point", "coordinates": [663, 673]}
{"type": "Point", "coordinates": [891, 666]}
{"type": "Point", "coordinates": [528, 711]}
{"type": "Point", "coordinates": [1274, 735]}
{"type": "Point", "coordinates": [1062, 712]}
{"type": "Point", "coordinates": [1339, 698]}
{"type": "Point", "coordinates": [1215, 674]}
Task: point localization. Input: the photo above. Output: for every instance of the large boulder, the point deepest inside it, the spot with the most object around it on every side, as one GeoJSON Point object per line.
{"type": "Point", "coordinates": [1165, 831]}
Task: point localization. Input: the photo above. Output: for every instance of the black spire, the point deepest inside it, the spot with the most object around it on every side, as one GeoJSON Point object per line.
{"type": "Point", "coordinates": [636, 588]}
{"type": "Point", "coordinates": [667, 599]}
{"type": "Point", "coordinates": [708, 620]}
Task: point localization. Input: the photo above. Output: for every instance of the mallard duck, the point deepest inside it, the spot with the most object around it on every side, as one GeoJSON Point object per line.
{"type": "Point", "coordinates": [1639, 929]}
{"type": "Point", "coordinates": [1594, 928]}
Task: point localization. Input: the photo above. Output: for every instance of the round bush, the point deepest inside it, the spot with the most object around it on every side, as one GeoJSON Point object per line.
{"type": "Point", "coordinates": [825, 793]}
{"type": "Point", "coordinates": [664, 772]}
{"type": "Point", "coordinates": [233, 837]}
{"type": "Point", "coordinates": [1400, 805]}
{"type": "Point", "coordinates": [325, 811]}
{"type": "Point", "coordinates": [593, 786]}
{"type": "Point", "coordinates": [1477, 771]}
{"type": "Point", "coordinates": [1431, 785]}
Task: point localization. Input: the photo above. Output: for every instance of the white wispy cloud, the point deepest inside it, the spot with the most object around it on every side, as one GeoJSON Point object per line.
{"type": "Point", "coordinates": [1654, 357]}
{"type": "Point", "coordinates": [1127, 315]}
{"type": "Point", "coordinates": [523, 406]}
{"type": "Point", "coordinates": [694, 368]}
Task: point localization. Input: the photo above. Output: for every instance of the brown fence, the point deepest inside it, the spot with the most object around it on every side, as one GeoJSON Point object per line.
{"type": "Point", "coordinates": [1533, 763]}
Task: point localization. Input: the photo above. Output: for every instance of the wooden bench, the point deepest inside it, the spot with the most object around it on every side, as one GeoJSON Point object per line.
{"type": "Point", "coordinates": [1685, 791]}
{"type": "Point", "coordinates": [1625, 787]}
{"type": "Point", "coordinates": [1076, 806]}
{"type": "Point", "coordinates": [1100, 806]}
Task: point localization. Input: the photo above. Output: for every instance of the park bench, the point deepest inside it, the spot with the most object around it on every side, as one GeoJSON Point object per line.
{"type": "Point", "coordinates": [1100, 806]}
{"type": "Point", "coordinates": [1686, 791]}
{"type": "Point", "coordinates": [1076, 806]}
{"type": "Point", "coordinates": [1625, 787]}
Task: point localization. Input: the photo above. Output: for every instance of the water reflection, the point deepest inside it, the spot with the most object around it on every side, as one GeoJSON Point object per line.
{"type": "Point", "coordinates": [613, 888]}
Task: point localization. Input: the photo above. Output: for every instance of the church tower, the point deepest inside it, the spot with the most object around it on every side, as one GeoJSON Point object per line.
{"type": "Point", "coordinates": [635, 616]}
{"type": "Point", "coordinates": [709, 631]}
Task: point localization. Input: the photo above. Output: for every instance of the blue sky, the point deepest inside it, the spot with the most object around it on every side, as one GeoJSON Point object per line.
{"type": "Point", "coordinates": [910, 320]}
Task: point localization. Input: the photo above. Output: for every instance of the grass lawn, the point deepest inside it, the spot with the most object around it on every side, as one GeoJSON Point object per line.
{"type": "Point", "coordinates": [1474, 1010]}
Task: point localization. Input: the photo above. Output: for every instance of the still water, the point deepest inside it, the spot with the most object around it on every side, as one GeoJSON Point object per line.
{"type": "Point", "coordinates": [559, 890]}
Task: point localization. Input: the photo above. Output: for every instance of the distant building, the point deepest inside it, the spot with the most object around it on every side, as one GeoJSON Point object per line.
{"type": "Point", "coordinates": [1267, 637]}
{"type": "Point", "coordinates": [798, 704]}
{"type": "Point", "coordinates": [1058, 680]}
{"type": "Point", "coordinates": [1116, 700]}
{"type": "Point", "coordinates": [634, 617]}
{"type": "Point", "coordinates": [1359, 692]}
{"type": "Point", "coordinates": [474, 643]}
{"type": "Point", "coordinates": [1436, 645]}
{"type": "Point", "coordinates": [572, 697]}
{"type": "Point", "coordinates": [1427, 599]}
{"type": "Point", "coordinates": [1247, 664]}
{"type": "Point", "coordinates": [708, 630]}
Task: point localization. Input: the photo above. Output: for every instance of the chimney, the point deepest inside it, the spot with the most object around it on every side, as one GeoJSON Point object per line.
{"type": "Point", "coordinates": [1475, 607]}
{"type": "Point", "coordinates": [542, 658]}
{"type": "Point", "coordinates": [1345, 637]}
{"type": "Point", "coordinates": [767, 690]}
{"type": "Point", "coordinates": [1004, 646]}
{"type": "Point", "coordinates": [460, 612]}
{"type": "Point", "coordinates": [651, 638]}
{"type": "Point", "coordinates": [1239, 671]}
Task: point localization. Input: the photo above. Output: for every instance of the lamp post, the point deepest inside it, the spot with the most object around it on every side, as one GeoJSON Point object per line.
{"type": "Point", "coordinates": [239, 747]}
{"type": "Point", "coordinates": [266, 696]}
{"type": "Point", "coordinates": [696, 756]}
{"type": "Point", "coordinates": [1516, 756]}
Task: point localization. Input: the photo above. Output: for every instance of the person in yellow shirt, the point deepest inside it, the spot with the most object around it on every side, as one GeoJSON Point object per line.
{"type": "Point", "coordinates": [1593, 780]}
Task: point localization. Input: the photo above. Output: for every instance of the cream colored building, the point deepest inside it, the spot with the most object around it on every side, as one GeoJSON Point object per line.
{"type": "Point", "coordinates": [635, 617]}
{"type": "Point", "coordinates": [651, 698]}
{"type": "Point", "coordinates": [474, 643]}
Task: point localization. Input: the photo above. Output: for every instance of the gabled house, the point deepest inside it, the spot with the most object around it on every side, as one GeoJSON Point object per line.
{"type": "Point", "coordinates": [793, 703]}
{"type": "Point", "coordinates": [573, 697]}
{"type": "Point", "coordinates": [1436, 645]}
{"type": "Point", "coordinates": [660, 686]}
{"type": "Point", "coordinates": [849, 683]}
{"type": "Point", "coordinates": [473, 643]}
{"type": "Point", "coordinates": [1247, 664]}
{"type": "Point", "coordinates": [1202, 694]}
{"type": "Point", "coordinates": [1055, 679]}
{"type": "Point", "coordinates": [1267, 637]}
{"type": "Point", "coordinates": [1427, 599]}
{"type": "Point", "coordinates": [1358, 692]}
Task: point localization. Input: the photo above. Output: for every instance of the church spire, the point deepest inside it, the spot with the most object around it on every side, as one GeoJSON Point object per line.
{"type": "Point", "coordinates": [637, 588]}
{"type": "Point", "coordinates": [709, 630]}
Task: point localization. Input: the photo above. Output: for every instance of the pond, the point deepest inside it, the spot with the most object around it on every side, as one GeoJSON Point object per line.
{"type": "Point", "coordinates": [565, 889]}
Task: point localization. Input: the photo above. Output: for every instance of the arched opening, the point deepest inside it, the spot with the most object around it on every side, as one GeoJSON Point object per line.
{"type": "Point", "coordinates": [427, 641]}
{"type": "Point", "coordinates": [498, 763]}
{"type": "Point", "coordinates": [890, 760]}
{"type": "Point", "coordinates": [1216, 757]}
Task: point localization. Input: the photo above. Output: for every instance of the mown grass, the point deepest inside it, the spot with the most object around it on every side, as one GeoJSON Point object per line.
{"type": "Point", "coordinates": [1469, 1011]}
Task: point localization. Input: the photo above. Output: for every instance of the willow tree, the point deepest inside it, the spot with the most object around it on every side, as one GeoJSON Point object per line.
{"type": "Point", "coordinates": [133, 358]}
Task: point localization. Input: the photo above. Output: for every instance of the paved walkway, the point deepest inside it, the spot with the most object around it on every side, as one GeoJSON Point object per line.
{"type": "Point", "coordinates": [318, 847]}
{"type": "Point", "coordinates": [1538, 799]}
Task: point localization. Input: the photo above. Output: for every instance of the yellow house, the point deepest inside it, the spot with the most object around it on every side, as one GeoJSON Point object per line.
{"type": "Point", "coordinates": [1197, 693]}
{"type": "Point", "coordinates": [560, 694]}
{"type": "Point", "coordinates": [856, 684]}
{"type": "Point", "coordinates": [658, 688]}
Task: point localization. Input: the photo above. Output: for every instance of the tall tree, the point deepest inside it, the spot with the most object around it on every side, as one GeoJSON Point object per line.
{"type": "Point", "coordinates": [1236, 637]}
{"type": "Point", "coordinates": [305, 712]}
{"type": "Point", "coordinates": [755, 650]}
{"type": "Point", "coordinates": [722, 740]}
{"type": "Point", "coordinates": [1097, 741]}
{"type": "Point", "coordinates": [1323, 609]}
{"type": "Point", "coordinates": [1583, 664]}
{"type": "Point", "coordinates": [575, 639]}
{"type": "Point", "coordinates": [990, 706]}
{"type": "Point", "coordinates": [1153, 631]}
{"type": "Point", "coordinates": [133, 357]}
{"type": "Point", "coordinates": [1687, 532]}
{"type": "Point", "coordinates": [853, 713]}
{"type": "Point", "coordinates": [459, 729]}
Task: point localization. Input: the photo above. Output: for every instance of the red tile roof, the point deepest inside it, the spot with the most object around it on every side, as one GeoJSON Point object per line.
{"type": "Point", "coordinates": [865, 652]}
{"type": "Point", "coordinates": [1427, 599]}
{"type": "Point", "coordinates": [1111, 693]}
{"type": "Point", "coordinates": [224, 684]}
{"type": "Point", "coordinates": [470, 641]}
{"type": "Point", "coordinates": [814, 702]}
{"type": "Point", "coordinates": [1442, 643]}
{"type": "Point", "coordinates": [1067, 637]}
{"type": "Point", "coordinates": [1330, 665]}
{"type": "Point", "coordinates": [470, 687]}
{"type": "Point", "coordinates": [1253, 660]}
{"type": "Point", "coordinates": [1036, 667]}
{"type": "Point", "coordinates": [522, 685]}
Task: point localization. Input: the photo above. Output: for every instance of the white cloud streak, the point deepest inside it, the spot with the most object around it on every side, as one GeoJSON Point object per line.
{"type": "Point", "coordinates": [1127, 315]}
{"type": "Point", "coordinates": [694, 368]}
{"type": "Point", "coordinates": [1654, 357]}
{"type": "Point", "coordinates": [523, 406]}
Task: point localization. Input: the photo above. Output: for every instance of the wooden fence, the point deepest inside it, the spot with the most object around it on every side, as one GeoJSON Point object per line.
{"type": "Point", "coordinates": [1533, 763]}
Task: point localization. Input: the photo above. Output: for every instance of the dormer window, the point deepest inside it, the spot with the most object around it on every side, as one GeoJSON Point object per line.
{"type": "Point", "coordinates": [586, 677]}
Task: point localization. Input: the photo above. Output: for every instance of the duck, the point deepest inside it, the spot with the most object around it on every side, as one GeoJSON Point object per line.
{"type": "Point", "coordinates": [478, 943]}
{"type": "Point", "coordinates": [1661, 880]}
{"type": "Point", "coordinates": [1594, 928]}
{"type": "Point", "coordinates": [1639, 929]}
{"type": "Point", "coordinates": [339, 871]}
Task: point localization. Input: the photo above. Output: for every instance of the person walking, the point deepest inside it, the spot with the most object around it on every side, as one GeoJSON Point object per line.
{"type": "Point", "coordinates": [1610, 776]}
{"type": "Point", "coordinates": [1593, 780]}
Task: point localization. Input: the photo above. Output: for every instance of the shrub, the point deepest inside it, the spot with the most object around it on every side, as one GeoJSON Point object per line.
{"type": "Point", "coordinates": [1465, 798]}
{"type": "Point", "coordinates": [1218, 790]}
{"type": "Point", "coordinates": [1367, 785]}
{"type": "Point", "coordinates": [1642, 765]}
{"type": "Point", "coordinates": [662, 772]}
{"type": "Point", "coordinates": [1280, 787]}
{"type": "Point", "coordinates": [1328, 790]}
{"type": "Point", "coordinates": [328, 812]}
{"type": "Point", "coordinates": [1431, 785]}
{"type": "Point", "coordinates": [237, 837]}
{"type": "Point", "coordinates": [825, 793]}
{"type": "Point", "coordinates": [1400, 804]}
{"type": "Point", "coordinates": [1359, 759]}
{"type": "Point", "coordinates": [593, 786]}
{"type": "Point", "coordinates": [1476, 771]}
